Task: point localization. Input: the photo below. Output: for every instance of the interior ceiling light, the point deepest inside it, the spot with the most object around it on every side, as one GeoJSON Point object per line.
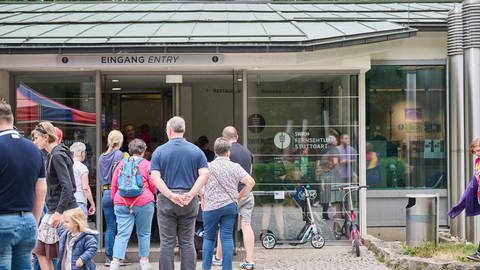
{"type": "Point", "coordinates": [116, 89]}
{"type": "Point", "coordinates": [115, 80]}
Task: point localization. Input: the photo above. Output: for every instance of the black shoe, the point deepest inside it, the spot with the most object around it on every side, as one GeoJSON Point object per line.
{"type": "Point", "coordinates": [474, 257]}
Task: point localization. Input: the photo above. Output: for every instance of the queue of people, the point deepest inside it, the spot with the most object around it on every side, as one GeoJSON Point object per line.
{"type": "Point", "coordinates": [57, 180]}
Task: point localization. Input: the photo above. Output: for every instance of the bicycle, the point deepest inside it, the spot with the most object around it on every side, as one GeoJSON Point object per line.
{"type": "Point", "coordinates": [349, 222]}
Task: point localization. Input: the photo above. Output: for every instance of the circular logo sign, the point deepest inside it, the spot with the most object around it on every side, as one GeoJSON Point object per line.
{"type": "Point", "coordinates": [282, 140]}
{"type": "Point", "coordinates": [256, 123]}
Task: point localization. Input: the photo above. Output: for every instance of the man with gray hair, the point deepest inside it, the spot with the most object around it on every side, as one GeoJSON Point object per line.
{"type": "Point", "coordinates": [80, 171]}
{"type": "Point", "coordinates": [179, 169]}
{"type": "Point", "coordinates": [241, 155]}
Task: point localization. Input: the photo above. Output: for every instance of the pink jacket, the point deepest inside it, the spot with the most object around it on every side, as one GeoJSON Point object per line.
{"type": "Point", "coordinates": [148, 191]}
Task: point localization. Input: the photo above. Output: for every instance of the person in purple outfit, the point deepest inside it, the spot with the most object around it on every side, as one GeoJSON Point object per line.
{"type": "Point", "coordinates": [470, 197]}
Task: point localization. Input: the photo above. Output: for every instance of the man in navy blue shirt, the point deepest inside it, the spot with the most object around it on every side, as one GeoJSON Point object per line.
{"type": "Point", "coordinates": [179, 169]}
{"type": "Point", "coordinates": [22, 193]}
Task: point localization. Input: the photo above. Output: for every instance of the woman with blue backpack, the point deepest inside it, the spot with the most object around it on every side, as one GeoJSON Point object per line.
{"type": "Point", "coordinates": [133, 196]}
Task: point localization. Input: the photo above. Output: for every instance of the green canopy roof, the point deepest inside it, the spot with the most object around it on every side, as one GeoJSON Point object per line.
{"type": "Point", "coordinates": [209, 26]}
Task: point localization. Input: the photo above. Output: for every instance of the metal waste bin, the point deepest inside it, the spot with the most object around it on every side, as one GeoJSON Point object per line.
{"type": "Point", "coordinates": [422, 218]}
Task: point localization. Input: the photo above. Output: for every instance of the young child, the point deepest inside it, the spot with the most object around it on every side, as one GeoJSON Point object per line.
{"type": "Point", "coordinates": [78, 244]}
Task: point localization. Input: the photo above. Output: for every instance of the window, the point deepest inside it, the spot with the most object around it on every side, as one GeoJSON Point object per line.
{"type": "Point", "coordinates": [68, 101]}
{"type": "Point", "coordinates": [406, 127]}
{"type": "Point", "coordinates": [296, 123]}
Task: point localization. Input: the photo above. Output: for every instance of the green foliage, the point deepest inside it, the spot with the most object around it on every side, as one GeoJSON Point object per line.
{"type": "Point", "coordinates": [455, 251]}
{"type": "Point", "coordinates": [380, 257]}
{"type": "Point", "coordinates": [424, 250]}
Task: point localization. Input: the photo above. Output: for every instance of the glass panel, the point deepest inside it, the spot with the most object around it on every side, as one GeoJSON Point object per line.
{"type": "Point", "coordinates": [312, 29]}
{"type": "Point", "coordinates": [101, 30]}
{"type": "Point", "coordinates": [406, 125]}
{"type": "Point", "coordinates": [302, 131]}
{"type": "Point", "coordinates": [70, 30]}
{"type": "Point", "coordinates": [212, 106]}
{"type": "Point", "coordinates": [143, 100]}
{"type": "Point", "coordinates": [176, 29]}
{"type": "Point", "coordinates": [130, 17]}
{"type": "Point", "coordinates": [240, 16]}
{"type": "Point", "coordinates": [185, 16]}
{"type": "Point", "coordinates": [246, 29]}
{"type": "Point", "coordinates": [139, 30]}
{"type": "Point", "coordinates": [68, 101]}
{"type": "Point", "coordinates": [286, 29]}
{"type": "Point", "coordinates": [100, 17]}
{"type": "Point", "coordinates": [213, 16]}
{"type": "Point", "coordinates": [210, 29]}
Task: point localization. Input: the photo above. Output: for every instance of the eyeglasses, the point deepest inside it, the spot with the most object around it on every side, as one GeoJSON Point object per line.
{"type": "Point", "coordinates": [40, 128]}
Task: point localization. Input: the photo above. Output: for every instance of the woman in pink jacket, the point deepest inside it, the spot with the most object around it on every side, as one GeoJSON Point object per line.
{"type": "Point", "coordinates": [130, 210]}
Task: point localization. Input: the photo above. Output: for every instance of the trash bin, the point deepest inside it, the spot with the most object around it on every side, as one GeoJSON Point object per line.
{"type": "Point", "coordinates": [422, 219]}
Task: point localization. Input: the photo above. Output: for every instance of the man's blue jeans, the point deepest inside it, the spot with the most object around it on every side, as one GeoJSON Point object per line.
{"type": "Point", "coordinates": [108, 213]}
{"type": "Point", "coordinates": [17, 238]}
{"type": "Point", "coordinates": [142, 217]}
{"type": "Point", "coordinates": [224, 217]}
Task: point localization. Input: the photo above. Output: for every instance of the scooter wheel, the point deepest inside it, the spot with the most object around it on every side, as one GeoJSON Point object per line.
{"type": "Point", "coordinates": [269, 240]}
{"type": "Point", "coordinates": [317, 241]}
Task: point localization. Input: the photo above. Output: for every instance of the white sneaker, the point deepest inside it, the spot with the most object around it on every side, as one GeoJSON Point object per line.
{"type": "Point", "coordinates": [114, 265]}
{"type": "Point", "coordinates": [216, 262]}
{"type": "Point", "coordinates": [145, 265]}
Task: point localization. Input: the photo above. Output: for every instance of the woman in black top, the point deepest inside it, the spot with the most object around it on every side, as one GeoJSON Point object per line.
{"type": "Point", "coordinates": [60, 187]}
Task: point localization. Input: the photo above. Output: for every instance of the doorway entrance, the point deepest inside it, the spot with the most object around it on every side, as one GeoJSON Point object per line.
{"type": "Point", "coordinates": [144, 102]}
{"type": "Point", "coordinates": [207, 102]}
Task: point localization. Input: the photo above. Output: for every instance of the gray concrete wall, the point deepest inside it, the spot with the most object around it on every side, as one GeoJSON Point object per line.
{"type": "Point", "coordinates": [387, 208]}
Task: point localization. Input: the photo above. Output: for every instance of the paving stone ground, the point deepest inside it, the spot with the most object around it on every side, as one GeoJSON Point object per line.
{"type": "Point", "coordinates": [334, 256]}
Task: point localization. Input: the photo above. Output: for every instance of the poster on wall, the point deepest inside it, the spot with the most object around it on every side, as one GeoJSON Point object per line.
{"type": "Point", "coordinates": [413, 114]}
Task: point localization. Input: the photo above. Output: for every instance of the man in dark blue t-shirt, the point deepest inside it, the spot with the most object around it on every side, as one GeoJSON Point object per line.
{"type": "Point", "coordinates": [22, 193]}
{"type": "Point", "coordinates": [179, 169]}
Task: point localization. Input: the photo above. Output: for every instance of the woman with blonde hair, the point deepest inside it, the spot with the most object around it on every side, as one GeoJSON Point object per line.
{"type": "Point", "coordinates": [78, 244]}
{"type": "Point", "coordinates": [105, 167]}
{"type": "Point", "coordinates": [60, 190]}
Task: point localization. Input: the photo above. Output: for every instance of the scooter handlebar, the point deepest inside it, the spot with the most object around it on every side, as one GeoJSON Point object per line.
{"type": "Point", "coordinates": [352, 188]}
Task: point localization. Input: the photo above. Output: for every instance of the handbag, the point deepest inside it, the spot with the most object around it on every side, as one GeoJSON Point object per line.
{"type": "Point", "coordinates": [46, 233]}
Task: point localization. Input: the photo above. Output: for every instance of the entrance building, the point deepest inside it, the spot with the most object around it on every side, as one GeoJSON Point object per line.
{"type": "Point", "coordinates": [297, 80]}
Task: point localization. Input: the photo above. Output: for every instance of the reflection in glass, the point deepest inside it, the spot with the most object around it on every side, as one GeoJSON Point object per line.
{"type": "Point", "coordinates": [296, 126]}
{"type": "Point", "coordinates": [68, 101]}
{"type": "Point", "coordinates": [406, 127]}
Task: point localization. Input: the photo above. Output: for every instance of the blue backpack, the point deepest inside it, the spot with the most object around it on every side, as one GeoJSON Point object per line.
{"type": "Point", "coordinates": [130, 178]}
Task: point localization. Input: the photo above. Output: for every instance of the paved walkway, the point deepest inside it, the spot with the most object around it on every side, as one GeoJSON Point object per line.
{"type": "Point", "coordinates": [333, 256]}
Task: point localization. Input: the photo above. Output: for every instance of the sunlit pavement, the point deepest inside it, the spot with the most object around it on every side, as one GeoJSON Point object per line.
{"type": "Point", "coordinates": [338, 255]}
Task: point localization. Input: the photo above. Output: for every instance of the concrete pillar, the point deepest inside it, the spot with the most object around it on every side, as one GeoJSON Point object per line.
{"type": "Point", "coordinates": [362, 162]}
{"type": "Point", "coordinates": [471, 44]}
{"type": "Point", "coordinates": [457, 116]}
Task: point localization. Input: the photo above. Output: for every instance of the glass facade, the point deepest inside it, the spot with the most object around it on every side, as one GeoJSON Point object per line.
{"type": "Point", "coordinates": [406, 127]}
{"type": "Point", "coordinates": [302, 130]}
{"type": "Point", "coordinates": [68, 101]}
{"type": "Point", "coordinates": [206, 101]}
